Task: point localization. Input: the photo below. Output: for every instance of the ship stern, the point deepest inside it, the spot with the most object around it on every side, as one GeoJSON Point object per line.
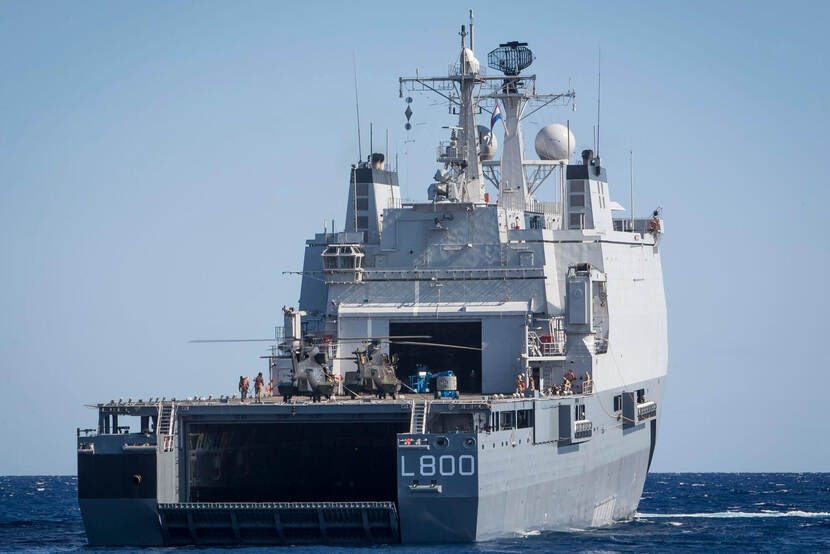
{"type": "Point", "coordinates": [437, 487]}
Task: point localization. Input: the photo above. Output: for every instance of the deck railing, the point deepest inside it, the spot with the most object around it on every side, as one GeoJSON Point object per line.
{"type": "Point", "coordinates": [547, 340]}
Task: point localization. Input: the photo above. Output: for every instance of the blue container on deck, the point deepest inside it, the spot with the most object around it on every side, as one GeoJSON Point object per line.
{"type": "Point", "coordinates": [443, 384]}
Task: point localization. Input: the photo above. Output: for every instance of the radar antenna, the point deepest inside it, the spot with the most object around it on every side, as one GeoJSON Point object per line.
{"type": "Point", "coordinates": [510, 58]}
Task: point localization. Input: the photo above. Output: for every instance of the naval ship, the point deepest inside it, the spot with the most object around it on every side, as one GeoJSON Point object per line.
{"type": "Point", "coordinates": [471, 366]}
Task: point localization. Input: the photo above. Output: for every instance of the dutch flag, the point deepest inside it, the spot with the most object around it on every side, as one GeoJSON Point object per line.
{"type": "Point", "coordinates": [495, 117]}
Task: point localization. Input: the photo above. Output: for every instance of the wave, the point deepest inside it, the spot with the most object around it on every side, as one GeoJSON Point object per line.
{"type": "Point", "coordinates": [722, 515]}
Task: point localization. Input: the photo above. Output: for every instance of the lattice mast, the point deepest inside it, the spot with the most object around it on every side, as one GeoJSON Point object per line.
{"type": "Point", "coordinates": [469, 92]}
{"type": "Point", "coordinates": [461, 87]}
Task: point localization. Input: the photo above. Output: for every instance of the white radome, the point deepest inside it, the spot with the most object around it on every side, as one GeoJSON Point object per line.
{"type": "Point", "coordinates": [552, 142]}
{"type": "Point", "coordinates": [488, 146]}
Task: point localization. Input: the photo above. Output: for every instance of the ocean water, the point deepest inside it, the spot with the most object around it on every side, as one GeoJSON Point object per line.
{"type": "Point", "coordinates": [770, 512]}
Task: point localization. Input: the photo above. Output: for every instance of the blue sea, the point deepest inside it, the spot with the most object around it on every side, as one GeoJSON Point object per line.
{"type": "Point", "coordinates": [689, 512]}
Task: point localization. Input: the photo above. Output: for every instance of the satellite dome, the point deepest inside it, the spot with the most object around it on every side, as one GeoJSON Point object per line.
{"type": "Point", "coordinates": [552, 142]}
{"type": "Point", "coordinates": [469, 63]}
{"type": "Point", "coordinates": [488, 146]}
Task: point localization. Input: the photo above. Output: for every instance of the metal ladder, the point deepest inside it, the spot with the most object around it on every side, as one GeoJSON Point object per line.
{"type": "Point", "coordinates": [165, 419]}
{"type": "Point", "coordinates": [418, 421]}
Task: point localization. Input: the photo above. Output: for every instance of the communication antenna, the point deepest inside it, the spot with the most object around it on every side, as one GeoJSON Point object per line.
{"type": "Point", "coordinates": [357, 108]}
{"type": "Point", "coordinates": [471, 30]}
{"type": "Point", "coordinates": [354, 195]}
{"type": "Point", "coordinates": [386, 154]}
{"type": "Point", "coordinates": [599, 90]}
{"type": "Point", "coordinates": [631, 162]}
{"type": "Point", "coordinates": [563, 182]}
{"type": "Point", "coordinates": [568, 151]}
{"type": "Point", "coordinates": [371, 138]}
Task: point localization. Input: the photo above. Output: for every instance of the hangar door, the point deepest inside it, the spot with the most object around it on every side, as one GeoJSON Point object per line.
{"type": "Point", "coordinates": [466, 364]}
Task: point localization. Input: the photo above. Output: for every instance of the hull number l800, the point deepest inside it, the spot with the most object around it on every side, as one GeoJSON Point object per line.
{"type": "Point", "coordinates": [447, 465]}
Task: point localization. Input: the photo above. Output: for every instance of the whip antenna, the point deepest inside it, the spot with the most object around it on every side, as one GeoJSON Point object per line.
{"type": "Point", "coordinates": [631, 154]}
{"type": "Point", "coordinates": [599, 90]}
{"type": "Point", "coordinates": [357, 108]}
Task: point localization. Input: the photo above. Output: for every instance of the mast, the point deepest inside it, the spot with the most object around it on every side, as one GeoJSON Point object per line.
{"type": "Point", "coordinates": [472, 186]}
{"type": "Point", "coordinates": [462, 177]}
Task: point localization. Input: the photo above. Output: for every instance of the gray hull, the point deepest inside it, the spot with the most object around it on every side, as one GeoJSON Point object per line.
{"type": "Point", "coordinates": [121, 521]}
{"type": "Point", "coordinates": [536, 469]}
{"type": "Point", "coordinates": [521, 483]}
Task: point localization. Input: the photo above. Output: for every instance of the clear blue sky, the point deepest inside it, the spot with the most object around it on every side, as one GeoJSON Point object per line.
{"type": "Point", "coordinates": [161, 163]}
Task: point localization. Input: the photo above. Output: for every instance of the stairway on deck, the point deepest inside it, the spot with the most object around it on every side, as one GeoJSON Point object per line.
{"type": "Point", "coordinates": [417, 424]}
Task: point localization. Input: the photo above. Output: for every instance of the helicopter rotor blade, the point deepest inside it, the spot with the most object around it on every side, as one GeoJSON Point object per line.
{"type": "Point", "coordinates": [415, 343]}
{"type": "Point", "coordinates": [364, 339]}
{"type": "Point", "coordinates": [352, 339]}
{"type": "Point", "coordinates": [202, 341]}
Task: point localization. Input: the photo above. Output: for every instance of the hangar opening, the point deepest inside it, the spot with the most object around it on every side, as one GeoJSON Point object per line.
{"type": "Point", "coordinates": [466, 364]}
{"type": "Point", "coordinates": [293, 462]}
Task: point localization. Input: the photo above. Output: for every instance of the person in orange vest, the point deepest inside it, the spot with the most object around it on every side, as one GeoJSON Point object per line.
{"type": "Point", "coordinates": [520, 383]}
{"type": "Point", "coordinates": [243, 387]}
{"type": "Point", "coordinates": [259, 384]}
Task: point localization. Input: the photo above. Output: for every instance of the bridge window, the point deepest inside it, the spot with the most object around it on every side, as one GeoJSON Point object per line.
{"type": "Point", "coordinates": [507, 420]}
{"type": "Point", "coordinates": [524, 419]}
{"type": "Point", "coordinates": [342, 256]}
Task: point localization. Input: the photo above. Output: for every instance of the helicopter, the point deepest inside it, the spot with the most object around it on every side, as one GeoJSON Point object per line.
{"type": "Point", "coordinates": [375, 373]}
{"type": "Point", "coordinates": [376, 370]}
{"type": "Point", "coordinates": [303, 365]}
{"type": "Point", "coordinates": [310, 371]}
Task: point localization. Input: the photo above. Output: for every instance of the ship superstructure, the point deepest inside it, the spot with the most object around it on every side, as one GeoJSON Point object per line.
{"type": "Point", "coordinates": [544, 322]}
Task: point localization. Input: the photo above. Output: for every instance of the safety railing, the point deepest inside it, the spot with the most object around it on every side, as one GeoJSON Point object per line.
{"type": "Point", "coordinates": [588, 387]}
{"type": "Point", "coordinates": [550, 342]}
{"type": "Point", "coordinates": [641, 225]}
{"type": "Point", "coordinates": [531, 205]}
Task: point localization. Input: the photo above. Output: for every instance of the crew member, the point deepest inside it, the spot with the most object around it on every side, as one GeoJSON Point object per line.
{"type": "Point", "coordinates": [243, 387]}
{"type": "Point", "coordinates": [259, 384]}
{"type": "Point", "coordinates": [520, 383]}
